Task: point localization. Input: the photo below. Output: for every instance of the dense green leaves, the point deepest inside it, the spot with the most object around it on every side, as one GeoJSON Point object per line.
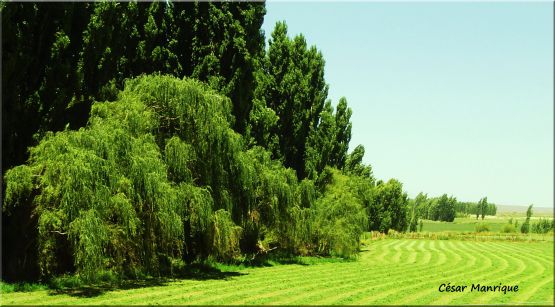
{"type": "Point", "coordinates": [446, 208]}
{"type": "Point", "coordinates": [158, 174]}
{"type": "Point", "coordinates": [389, 207]}
{"type": "Point", "coordinates": [525, 228]}
{"type": "Point", "coordinates": [295, 89]}
{"type": "Point", "coordinates": [339, 217]}
{"type": "Point", "coordinates": [58, 58]}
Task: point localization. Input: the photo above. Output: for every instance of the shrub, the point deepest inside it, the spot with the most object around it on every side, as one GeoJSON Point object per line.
{"type": "Point", "coordinates": [20, 287]}
{"type": "Point", "coordinates": [65, 282]}
{"type": "Point", "coordinates": [482, 227]}
{"type": "Point", "coordinates": [508, 228]}
{"type": "Point", "coordinates": [542, 226]}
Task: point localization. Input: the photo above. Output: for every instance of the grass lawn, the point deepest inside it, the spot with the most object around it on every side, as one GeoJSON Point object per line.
{"type": "Point", "coordinates": [388, 271]}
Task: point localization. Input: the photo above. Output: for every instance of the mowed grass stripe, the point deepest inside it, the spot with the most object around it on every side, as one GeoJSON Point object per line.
{"type": "Point", "coordinates": [481, 298]}
{"type": "Point", "coordinates": [532, 267]}
{"type": "Point", "coordinates": [430, 296]}
{"type": "Point", "coordinates": [388, 271]}
{"type": "Point", "coordinates": [431, 284]}
{"type": "Point", "coordinates": [257, 281]}
{"type": "Point", "coordinates": [271, 281]}
{"type": "Point", "coordinates": [470, 262]}
{"type": "Point", "coordinates": [292, 288]}
{"type": "Point", "coordinates": [405, 271]}
{"type": "Point", "coordinates": [292, 296]}
{"type": "Point", "coordinates": [368, 289]}
{"type": "Point", "coordinates": [508, 279]}
{"type": "Point", "coordinates": [423, 281]}
{"type": "Point", "coordinates": [340, 285]}
{"type": "Point", "coordinates": [526, 289]}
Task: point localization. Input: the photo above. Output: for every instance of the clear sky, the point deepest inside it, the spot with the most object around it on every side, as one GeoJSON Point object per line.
{"type": "Point", "coordinates": [450, 98]}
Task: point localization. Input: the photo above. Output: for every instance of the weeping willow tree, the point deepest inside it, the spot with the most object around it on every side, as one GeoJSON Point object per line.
{"type": "Point", "coordinates": [159, 175]}
{"type": "Point", "coordinates": [338, 217]}
{"type": "Point", "coordinates": [101, 194]}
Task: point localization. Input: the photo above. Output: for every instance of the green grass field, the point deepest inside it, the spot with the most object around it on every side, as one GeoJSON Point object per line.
{"type": "Point", "coordinates": [389, 271]}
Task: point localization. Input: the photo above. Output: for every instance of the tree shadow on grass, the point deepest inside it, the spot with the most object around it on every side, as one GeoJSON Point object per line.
{"type": "Point", "coordinates": [190, 272]}
{"type": "Point", "coordinates": [200, 271]}
{"type": "Point", "coordinates": [100, 288]}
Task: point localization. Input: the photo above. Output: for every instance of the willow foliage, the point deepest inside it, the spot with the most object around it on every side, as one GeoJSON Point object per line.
{"type": "Point", "coordinates": [159, 174]}
{"type": "Point", "coordinates": [339, 218]}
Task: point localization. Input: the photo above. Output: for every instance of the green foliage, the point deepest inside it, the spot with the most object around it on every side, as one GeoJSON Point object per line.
{"type": "Point", "coordinates": [226, 235]}
{"type": "Point", "coordinates": [295, 89]}
{"type": "Point", "coordinates": [58, 59]}
{"type": "Point", "coordinates": [413, 222]}
{"type": "Point", "coordinates": [327, 144]}
{"type": "Point", "coordinates": [443, 209]}
{"type": "Point", "coordinates": [482, 227]}
{"type": "Point", "coordinates": [20, 287]}
{"type": "Point", "coordinates": [320, 143]}
{"type": "Point", "coordinates": [483, 203]}
{"type": "Point", "coordinates": [339, 218]}
{"type": "Point", "coordinates": [542, 226]}
{"type": "Point", "coordinates": [104, 191]}
{"type": "Point", "coordinates": [19, 184]}
{"type": "Point", "coordinates": [525, 228]}
{"type": "Point", "coordinates": [388, 209]}
{"type": "Point", "coordinates": [159, 175]}
{"type": "Point", "coordinates": [355, 166]}
{"type": "Point", "coordinates": [84, 52]}
{"type": "Point", "coordinates": [508, 228]}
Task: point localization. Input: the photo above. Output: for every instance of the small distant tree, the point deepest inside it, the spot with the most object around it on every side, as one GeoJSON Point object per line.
{"type": "Point", "coordinates": [542, 226]}
{"type": "Point", "coordinates": [525, 228]}
{"type": "Point", "coordinates": [484, 206]}
{"type": "Point", "coordinates": [421, 225]}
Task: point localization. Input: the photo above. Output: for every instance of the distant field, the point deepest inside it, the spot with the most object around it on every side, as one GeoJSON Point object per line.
{"type": "Point", "coordinates": [469, 224]}
{"type": "Point", "coordinates": [388, 271]}
{"type": "Point", "coordinates": [521, 210]}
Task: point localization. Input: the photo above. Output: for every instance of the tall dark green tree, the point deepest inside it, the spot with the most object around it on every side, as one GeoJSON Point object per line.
{"type": "Point", "coordinates": [321, 143]}
{"type": "Point", "coordinates": [389, 207]}
{"type": "Point", "coordinates": [328, 143]}
{"type": "Point", "coordinates": [483, 206]}
{"type": "Point", "coordinates": [296, 91]}
{"type": "Point", "coordinates": [355, 166]}
{"type": "Point", "coordinates": [343, 128]}
{"type": "Point", "coordinates": [525, 228]}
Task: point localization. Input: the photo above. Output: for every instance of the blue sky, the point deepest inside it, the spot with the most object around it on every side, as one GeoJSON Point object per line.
{"type": "Point", "coordinates": [450, 98]}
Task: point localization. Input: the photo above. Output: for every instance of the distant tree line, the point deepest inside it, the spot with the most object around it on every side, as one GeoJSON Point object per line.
{"type": "Point", "coordinates": [479, 209]}
{"type": "Point", "coordinates": [445, 208]}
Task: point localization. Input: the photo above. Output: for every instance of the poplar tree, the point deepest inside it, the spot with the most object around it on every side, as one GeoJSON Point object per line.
{"type": "Point", "coordinates": [296, 91]}
{"type": "Point", "coordinates": [525, 227]}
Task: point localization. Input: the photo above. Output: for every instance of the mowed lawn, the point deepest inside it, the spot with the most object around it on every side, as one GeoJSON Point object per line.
{"type": "Point", "coordinates": [388, 271]}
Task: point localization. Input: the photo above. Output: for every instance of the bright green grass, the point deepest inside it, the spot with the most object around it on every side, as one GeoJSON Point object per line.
{"type": "Point", "coordinates": [388, 271]}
